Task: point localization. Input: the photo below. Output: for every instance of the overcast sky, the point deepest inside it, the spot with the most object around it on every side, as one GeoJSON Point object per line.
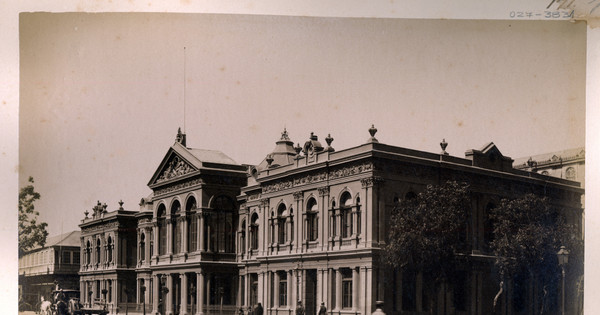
{"type": "Point", "coordinates": [102, 95]}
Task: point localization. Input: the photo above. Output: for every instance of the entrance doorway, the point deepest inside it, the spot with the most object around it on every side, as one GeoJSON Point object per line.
{"type": "Point", "coordinates": [310, 293]}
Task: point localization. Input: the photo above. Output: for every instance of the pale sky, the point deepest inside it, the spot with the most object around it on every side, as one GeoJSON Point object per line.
{"type": "Point", "coordinates": [101, 95]}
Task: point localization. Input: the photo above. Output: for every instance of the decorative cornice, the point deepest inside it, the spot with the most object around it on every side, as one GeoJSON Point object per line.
{"type": "Point", "coordinates": [351, 170]}
{"type": "Point", "coordinates": [253, 197]}
{"type": "Point", "coordinates": [309, 179]}
{"type": "Point", "coordinates": [264, 202]}
{"type": "Point", "coordinates": [371, 181]}
{"type": "Point", "coordinates": [179, 186]}
{"type": "Point", "coordinates": [100, 227]}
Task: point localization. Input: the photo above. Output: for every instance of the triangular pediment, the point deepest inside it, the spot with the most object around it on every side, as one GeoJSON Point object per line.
{"type": "Point", "coordinates": [491, 149]}
{"type": "Point", "coordinates": [174, 165]}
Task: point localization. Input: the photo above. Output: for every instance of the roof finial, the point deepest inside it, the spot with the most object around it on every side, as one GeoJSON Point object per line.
{"type": "Point", "coordinates": [373, 131]}
{"type": "Point", "coordinates": [329, 140]}
{"type": "Point", "coordinates": [180, 137]}
{"type": "Point", "coordinates": [284, 135]}
{"type": "Point", "coordinates": [121, 204]}
{"type": "Point", "coordinates": [444, 145]}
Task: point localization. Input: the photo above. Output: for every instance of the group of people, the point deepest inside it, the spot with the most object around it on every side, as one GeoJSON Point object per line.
{"type": "Point", "coordinates": [258, 310]}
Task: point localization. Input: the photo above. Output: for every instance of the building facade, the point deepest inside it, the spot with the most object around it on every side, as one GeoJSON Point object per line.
{"type": "Point", "coordinates": [108, 259]}
{"type": "Point", "coordinates": [43, 269]}
{"type": "Point", "coordinates": [307, 225]}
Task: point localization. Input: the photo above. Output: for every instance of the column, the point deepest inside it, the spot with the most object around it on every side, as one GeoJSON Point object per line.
{"type": "Point", "coordinates": [200, 292]}
{"type": "Point", "coordinates": [169, 302]}
{"type": "Point", "coordinates": [290, 288]}
{"type": "Point", "coordinates": [261, 290]}
{"type": "Point", "coordinates": [338, 289]}
{"type": "Point", "coordinates": [368, 215]}
{"type": "Point", "coordinates": [138, 296]}
{"type": "Point", "coordinates": [117, 258]}
{"type": "Point", "coordinates": [147, 245]}
{"type": "Point", "coordinates": [276, 289]}
{"type": "Point", "coordinates": [201, 232]}
{"type": "Point", "coordinates": [155, 297]}
{"type": "Point", "coordinates": [169, 236]}
{"type": "Point", "coordinates": [363, 291]}
{"type": "Point", "coordinates": [155, 237]}
{"type": "Point", "coordinates": [184, 293]}
{"type": "Point", "coordinates": [369, 292]}
{"type": "Point", "coordinates": [207, 294]}
{"type": "Point", "coordinates": [184, 237]}
{"type": "Point", "coordinates": [208, 232]}
{"type": "Point", "coordinates": [323, 223]}
{"type": "Point", "coordinates": [355, 290]}
{"type": "Point", "coordinates": [319, 288]}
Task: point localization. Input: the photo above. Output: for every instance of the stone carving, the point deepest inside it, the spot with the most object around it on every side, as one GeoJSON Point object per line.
{"type": "Point", "coordinates": [371, 181]}
{"type": "Point", "coordinates": [253, 197]}
{"type": "Point", "coordinates": [277, 186]}
{"type": "Point", "coordinates": [102, 227]}
{"type": "Point", "coordinates": [308, 179]}
{"type": "Point", "coordinates": [176, 167]}
{"type": "Point", "coordinates": [351, 170]}
{"type": "Point", "coordinates": [323, 191]}
{"type": "Point", "coordinates": [298, 195]}
{"type": "Point", "coordinates": [179, 186]}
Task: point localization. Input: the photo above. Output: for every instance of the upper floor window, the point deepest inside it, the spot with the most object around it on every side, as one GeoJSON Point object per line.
{"type": "Point", "coordinates": [142, 247]}
{"type": "Point", "coordinates": [98, 251]}
{"type": "Point", "coordinates": [243, 238]}
{"type": "Point", "coordinates": [220, 223]}
{"type": "Point", "coordinates": [192, 237]}
{"type": "Point", "coordinates": [312, 220]}
{"type": "Point", "coordinates": [281, 226]}
{"type": "Point", "coordinates": [571, 174]}
{"type": "Point", "coordinates": [162, 229]}
{"type": "Point", "coordinates": [109, 247]}
{"type": "Point", "coordinates": [88, 253]}
{"type": "Point", "coordinates": [254, 232]}
{"type": "Point", "coordinates": [346, 214]}
{"type": "Point", "coordinates": [176, 226]}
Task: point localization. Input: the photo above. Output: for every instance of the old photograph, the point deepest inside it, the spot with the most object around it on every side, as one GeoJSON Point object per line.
{"type": "Point", "coordinates": [271, 165]}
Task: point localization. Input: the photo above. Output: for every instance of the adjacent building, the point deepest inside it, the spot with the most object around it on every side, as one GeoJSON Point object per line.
{"type": "Point", "coordinates": [307, 224]}
{"type": "Point", "coordinates": [42, 269]}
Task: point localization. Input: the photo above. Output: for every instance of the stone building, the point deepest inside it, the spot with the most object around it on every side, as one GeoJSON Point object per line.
{"type": "Point", "coordinates": [108, 258]}
{"type": "Point", "coordinates": [307, 224]}
{"type": "Point", "coordinates": [42, 269]}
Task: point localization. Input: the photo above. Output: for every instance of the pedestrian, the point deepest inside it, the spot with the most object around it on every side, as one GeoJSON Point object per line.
{"type": "Point", "coordinates": [299, 309]}
{"type": "Point", "coordinates": [323, 309]}
{"type": "Point", "coordinates": [258, 310]}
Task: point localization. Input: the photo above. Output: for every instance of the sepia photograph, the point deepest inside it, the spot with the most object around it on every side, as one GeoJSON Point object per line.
{"type": "Point", "coordinates": [258, 164]}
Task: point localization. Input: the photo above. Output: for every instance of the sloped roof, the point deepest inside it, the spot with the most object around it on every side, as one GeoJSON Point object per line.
{"type": "Point", "coordinates": [212, 156]}
{"type": "Point", "coordinates": [66, 239]}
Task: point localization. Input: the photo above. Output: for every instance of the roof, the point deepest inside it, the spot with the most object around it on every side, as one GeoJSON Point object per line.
{"type": "Point", "coordinates": [212, 156]}
{"type": "Point", "coordinates": [67, 239]}
{"type": "Point", "coordinates": [564, 155]}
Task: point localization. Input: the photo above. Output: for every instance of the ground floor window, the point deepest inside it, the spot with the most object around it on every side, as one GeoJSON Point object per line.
{"type": "Point", "coordinates": [346, 288]}
{"type": "Point", "coordinates": [283, 289]}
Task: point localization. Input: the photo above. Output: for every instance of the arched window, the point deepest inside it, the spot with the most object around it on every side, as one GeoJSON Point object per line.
{"type": "Point", "coordinates": [192, 232]}
{"type": "Point", "coordinates": [346, 213]}
{"type": "Point", "coordinates": [109, 250]}
{"type": "Point", "coordinates": [281, 228]}
{"type": "Point", "coordinates": [142, 247]}
{"type": "Point", "coordinates": [88, 253]}
{"type": "Point", "coordinates": [222, 234]}
{"type": "Point", "coordinates": [162, 229]}
{"type": "Point", "coordinates": [312, 220]}
{"type": "Point", "coordinates": [98, 251]}
{"type": "Point", "coordinates": [176, 226]}
{"type": "Point", "coordinates": [291, 224]}
{"type": "Point", "coordinates": [254, 232]}
{"type": "Point", "coordinates": [571, 174]}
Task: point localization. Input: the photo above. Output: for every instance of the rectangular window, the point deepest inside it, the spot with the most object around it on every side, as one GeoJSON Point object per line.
{"type": "Point", "coordinates": [162, 237]}
{"type": "Point", "coordinates": [358, 231]}
{"type": "Point", "coordinates": [282, 289]}
{"type": "Point", "coordinates": [346, 288]}
{"type": "Point", "coordinates": [346, 222]}
{"type": "Point", "coordinates": [253, 289]}
{"type": "Point", "coordinates": [66, 257]}
{"type": "Point", "coordinates": [272, 299]}
{"type": "Point", "coordinates": [76, 258]}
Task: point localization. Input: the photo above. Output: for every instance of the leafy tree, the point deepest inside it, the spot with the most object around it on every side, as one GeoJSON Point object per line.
{"type": "Point", "coordinates": [528, 232]}
{"type": "Point", "coordinates": [30, 231]}
{"type": "Point", "coordinates": [427, 233]}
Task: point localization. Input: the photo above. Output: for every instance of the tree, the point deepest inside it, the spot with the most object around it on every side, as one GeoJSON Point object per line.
{"type": "Point", "coordinates": [528, 232]}
{"type": "Point", "coordinates": [30, 231]}
{"type": "Point", "coordinates": [428, 232]}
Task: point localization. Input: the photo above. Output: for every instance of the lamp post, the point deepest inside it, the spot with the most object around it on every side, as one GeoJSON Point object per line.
{"type": "Point", "coordinates": [563, 259]}
{"type": "Point", "coordinates": [128, 292]}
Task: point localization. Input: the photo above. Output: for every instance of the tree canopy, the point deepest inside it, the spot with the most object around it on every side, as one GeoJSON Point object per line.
{"type": "Point", "coordinates": [31, 233]}
{"type": "Point", "coordinates": [528, 232]}
{"type": "Point", "coordinates": [428, 231]}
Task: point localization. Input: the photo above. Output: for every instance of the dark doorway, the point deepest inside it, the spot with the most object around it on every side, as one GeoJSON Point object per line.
{"type": "Point", "coordinates": [311, 292]}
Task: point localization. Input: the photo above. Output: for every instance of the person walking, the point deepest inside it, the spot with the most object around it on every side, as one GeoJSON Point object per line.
{"type": "Point", "coordinates": [322, 309]}
{"type": "Point", "coordinates": [258, 310]}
